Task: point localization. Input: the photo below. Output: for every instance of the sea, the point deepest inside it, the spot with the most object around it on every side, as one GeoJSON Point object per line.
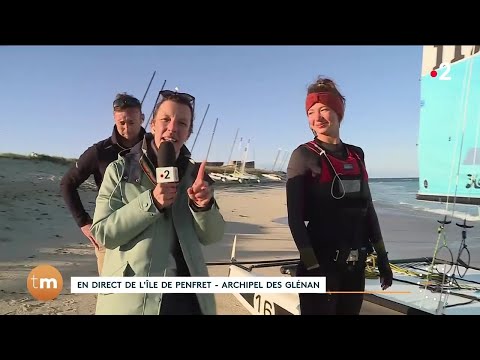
{"type": "Point", "coordinates": [400, 194]}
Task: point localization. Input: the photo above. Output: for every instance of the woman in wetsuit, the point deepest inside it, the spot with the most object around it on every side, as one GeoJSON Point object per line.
{"type": "Point", "coordinates": [330, 210]}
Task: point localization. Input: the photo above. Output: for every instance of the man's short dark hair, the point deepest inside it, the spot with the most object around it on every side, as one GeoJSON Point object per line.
{"type": "Point", "coordinates": [123, 101]}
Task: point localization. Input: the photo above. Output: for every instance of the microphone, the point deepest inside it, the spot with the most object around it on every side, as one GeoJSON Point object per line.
{"type": "Point", "coordinates": [166, 158]}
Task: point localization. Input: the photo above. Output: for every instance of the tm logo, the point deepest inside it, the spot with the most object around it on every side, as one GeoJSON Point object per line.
{"type": "Point", "coordinates": [45, 282]}
{"type": "Point", "coordinates": [473, 181]}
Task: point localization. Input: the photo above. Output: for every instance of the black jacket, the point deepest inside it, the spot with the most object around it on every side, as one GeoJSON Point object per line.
{"type": "Point", "coordinates": [93, 161]}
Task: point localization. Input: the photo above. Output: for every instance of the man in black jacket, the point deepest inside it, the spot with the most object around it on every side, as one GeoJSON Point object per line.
{"type": "Point", "coordinates": [128, 130]}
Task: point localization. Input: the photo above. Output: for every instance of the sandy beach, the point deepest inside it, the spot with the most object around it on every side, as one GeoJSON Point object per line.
{"type": "Point", "coordinates": [36, 228]}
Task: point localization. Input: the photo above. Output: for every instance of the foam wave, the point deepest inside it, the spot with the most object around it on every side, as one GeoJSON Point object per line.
{"type": "Point", "coordinates": [457, 214]}
{"type": "Point", "coordinates": [470, 213]}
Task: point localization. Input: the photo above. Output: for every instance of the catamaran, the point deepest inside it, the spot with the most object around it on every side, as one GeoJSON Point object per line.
{"type": "Point", "coordinates": [423, 286]}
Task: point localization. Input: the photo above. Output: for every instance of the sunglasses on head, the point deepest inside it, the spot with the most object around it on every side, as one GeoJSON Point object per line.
{"type": "Point", "coordinates": [126, 102]}
{"type": "Point", "coordinates": [166, 94]}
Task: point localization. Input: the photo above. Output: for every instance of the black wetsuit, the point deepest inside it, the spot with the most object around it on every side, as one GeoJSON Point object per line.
{"type": "Point", "coordinates": [93, 161]}
{"type": "Point", "coordinates": [341, 218]}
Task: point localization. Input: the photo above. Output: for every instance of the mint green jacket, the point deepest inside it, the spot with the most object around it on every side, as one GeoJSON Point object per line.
{"type": "Point", "coordinates": [138, 237]}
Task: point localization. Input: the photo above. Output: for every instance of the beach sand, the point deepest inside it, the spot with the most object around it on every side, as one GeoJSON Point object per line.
{"type": "Point", "coordinates": [36, 228]}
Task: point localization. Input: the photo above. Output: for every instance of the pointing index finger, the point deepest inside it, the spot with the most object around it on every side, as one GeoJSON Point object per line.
{"type": "Point", "coordinates": [201, 172]}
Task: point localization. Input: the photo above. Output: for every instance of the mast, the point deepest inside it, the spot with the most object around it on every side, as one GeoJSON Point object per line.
{"type": "Point", "coordinates": [213, 133]}
{"type": "Point", "coordinates": [148, 87]}
{"type": "Point", "coordinates": [200, 128]}
{"type": "Point", "coordinates": [156, 101]}
{"type": "Point", "coordinates": [242, 170]}
{"type": "Point", "coordinates": [233, 146]}
{"type": "Point", "coordinates": [284, 160]}
{"type": "Point", "coordinates": [276, 158]}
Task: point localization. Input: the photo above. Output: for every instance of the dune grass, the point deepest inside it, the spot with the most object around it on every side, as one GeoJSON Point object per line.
{"type": "Point", "coordinates": [67, 161]}
{"type": "Point", "coordinates": [39, 157]}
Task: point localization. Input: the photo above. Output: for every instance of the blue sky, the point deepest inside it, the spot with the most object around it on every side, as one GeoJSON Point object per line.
{"type": "Point", "coordinates": [57, 99]}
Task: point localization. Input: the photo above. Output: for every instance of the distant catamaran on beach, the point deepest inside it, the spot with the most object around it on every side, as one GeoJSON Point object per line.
{"type": "Point", "coordinates": [449, 132]}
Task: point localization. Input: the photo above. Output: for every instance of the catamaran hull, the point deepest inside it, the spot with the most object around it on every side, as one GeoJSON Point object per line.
{"type": "Point", "coordinates": [429, 286]}
{"type": "Point", "coordinates": [265, 303]}
{"type": "Point", "coordinates": [409, 295]}
{"type": "Point", "coordinates": [445, 199]}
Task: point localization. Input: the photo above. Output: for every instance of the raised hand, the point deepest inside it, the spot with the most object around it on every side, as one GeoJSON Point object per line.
{"type": "Point", "coordinates": [200, 192]}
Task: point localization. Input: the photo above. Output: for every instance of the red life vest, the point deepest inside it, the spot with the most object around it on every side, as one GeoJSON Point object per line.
{"type": "Point", "coordinates": [351, 168]}
{"type": "Point", "coordinates": [336, 202]}
{"type": "Point", "coordinates": [342, 184]}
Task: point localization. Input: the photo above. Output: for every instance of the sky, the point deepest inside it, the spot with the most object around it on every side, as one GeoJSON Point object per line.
{"type": "Point", "coordinates": [57, 100]}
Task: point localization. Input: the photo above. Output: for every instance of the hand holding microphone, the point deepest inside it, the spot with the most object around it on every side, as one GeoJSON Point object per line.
{"type": "Point", "coordinates": [165, 192]}
{"type": "Point", "coordinates": [200, 192]}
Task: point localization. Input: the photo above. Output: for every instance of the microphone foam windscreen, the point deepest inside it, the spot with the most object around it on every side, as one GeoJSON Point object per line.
{"type": "Point", "coordinates": [166, 154]}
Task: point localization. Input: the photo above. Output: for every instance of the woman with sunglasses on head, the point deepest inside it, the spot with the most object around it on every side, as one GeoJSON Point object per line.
{"type": "Point", "coordinates": [155, 228]}
{"type": "Point", "coordinates": [327, 186]}
{"type": "Point", "coordinates": [127, 131]}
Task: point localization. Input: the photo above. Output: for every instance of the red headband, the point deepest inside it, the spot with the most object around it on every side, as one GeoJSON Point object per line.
{"type": "Point", "coordinates": [331, 100]}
